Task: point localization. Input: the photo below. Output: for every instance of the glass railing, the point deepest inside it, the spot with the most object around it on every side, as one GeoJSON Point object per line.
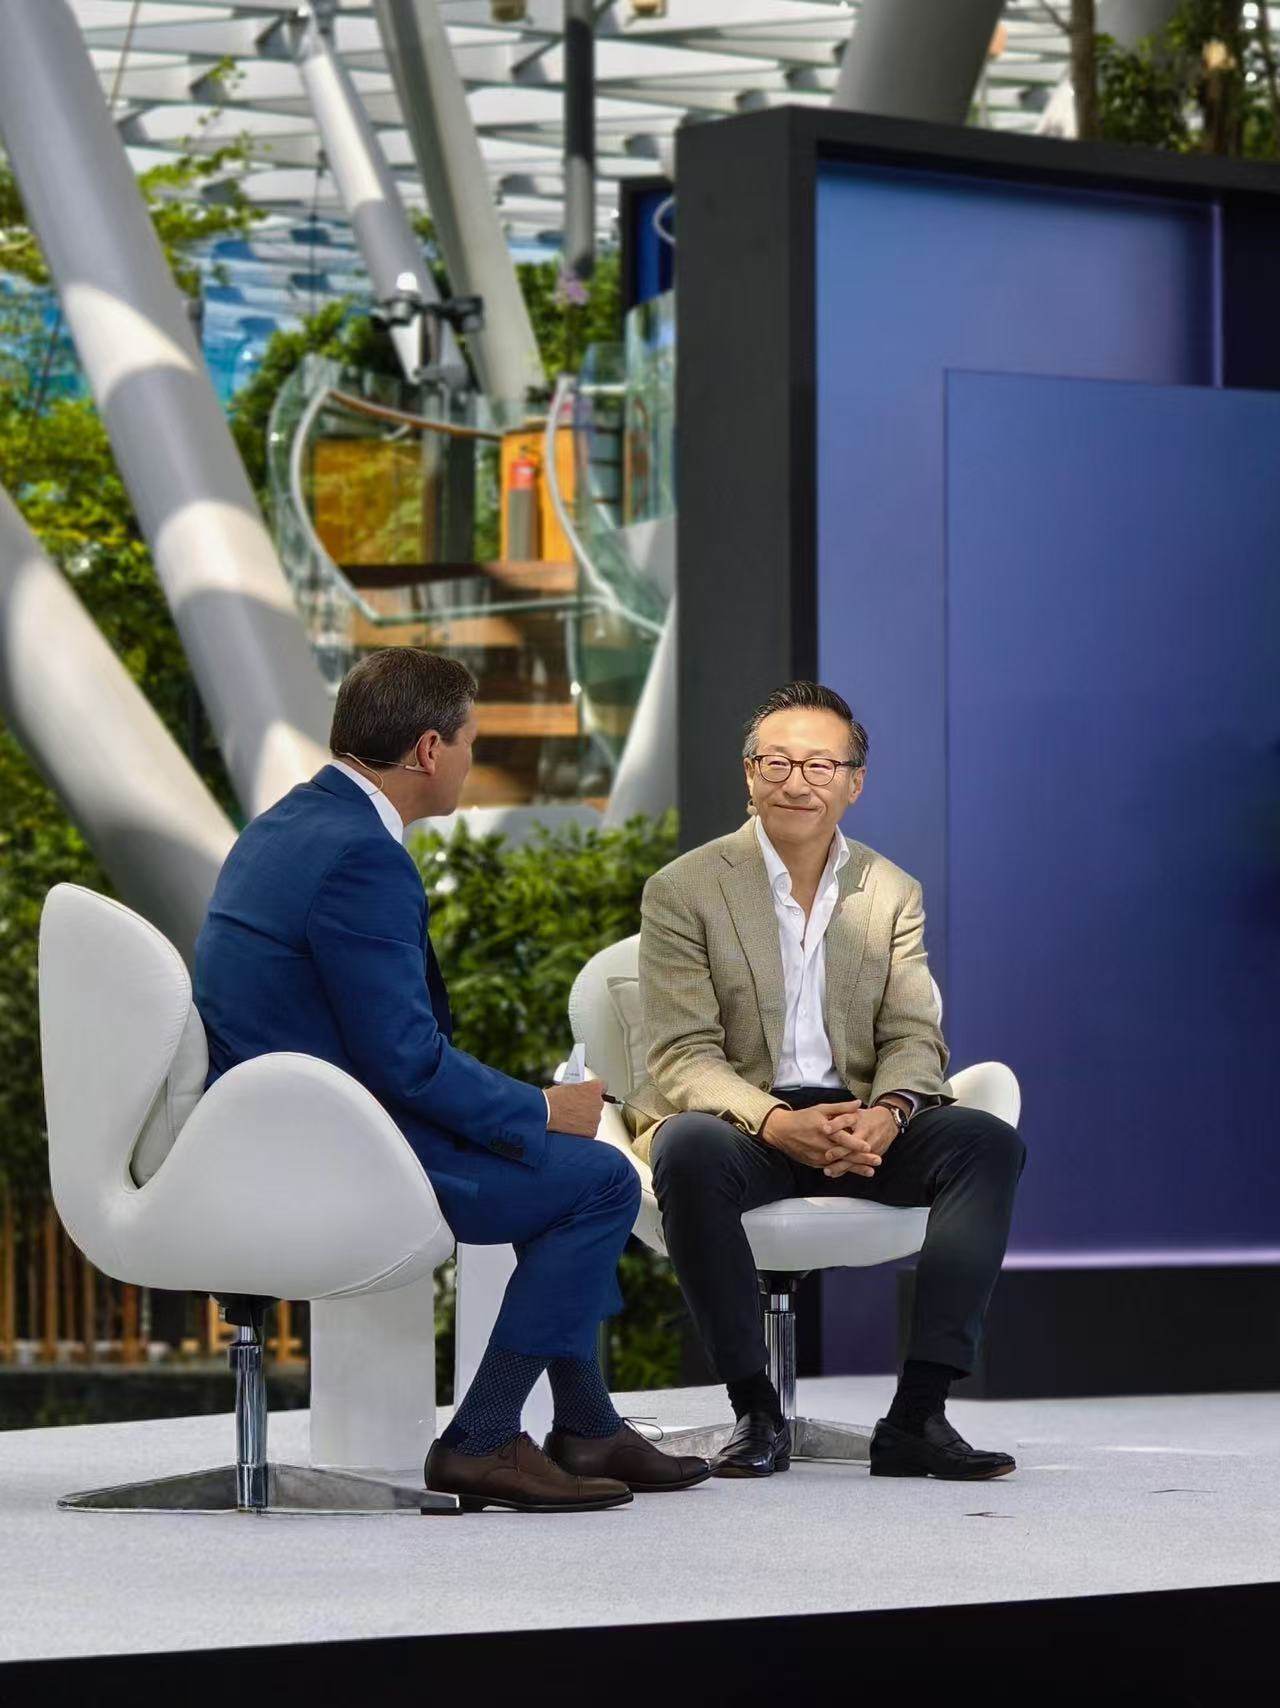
{"type": "Point", "coordinates": [521, 545]}
{"type": "Point", "coordinates": [393, 530]}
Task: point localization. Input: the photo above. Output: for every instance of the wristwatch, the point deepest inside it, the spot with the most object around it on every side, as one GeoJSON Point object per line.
{"type": "Point", "coordinates": [899, 1114]}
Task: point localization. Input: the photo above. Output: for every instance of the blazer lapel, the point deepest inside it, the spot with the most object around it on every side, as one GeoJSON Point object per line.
{"type": "Point", "coordinates": [845, 943]}
{"type": "Point", "coordinates": [745, 884]}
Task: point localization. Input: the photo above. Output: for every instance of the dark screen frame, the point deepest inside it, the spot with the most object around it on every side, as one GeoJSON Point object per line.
{"type": "Point", "coordinates": [746, 388]}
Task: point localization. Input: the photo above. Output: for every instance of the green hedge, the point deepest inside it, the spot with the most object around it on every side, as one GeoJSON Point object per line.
{"type": "Point", "coordinates": [513, 926]}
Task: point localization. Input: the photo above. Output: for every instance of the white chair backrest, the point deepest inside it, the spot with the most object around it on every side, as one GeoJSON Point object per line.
{"type": "Point", "coordinates": [124, 1053]}
{"type": "Point", "coordinates": [605, 1015]}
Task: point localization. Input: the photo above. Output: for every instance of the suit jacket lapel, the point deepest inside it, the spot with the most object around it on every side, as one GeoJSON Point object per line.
{"type": "Point", "coordinates": [745, 884]}
{"type": "Point", "coordinates": [845, 944]}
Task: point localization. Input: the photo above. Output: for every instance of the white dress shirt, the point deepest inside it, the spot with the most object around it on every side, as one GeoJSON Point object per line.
{"type": "Point", "coordinates": [395, 825]}
{"type": "Point", "coordinates": [805, 1057]}
{"type": "Point", "coordinates": [382, 806]}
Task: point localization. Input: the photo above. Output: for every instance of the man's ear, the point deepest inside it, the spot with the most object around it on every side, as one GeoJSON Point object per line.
{"type": "Point", "coordinates": [427, 749]}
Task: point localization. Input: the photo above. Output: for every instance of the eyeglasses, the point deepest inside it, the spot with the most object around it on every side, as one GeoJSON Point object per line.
{"type": "Point", "coordinates": [777, 768]}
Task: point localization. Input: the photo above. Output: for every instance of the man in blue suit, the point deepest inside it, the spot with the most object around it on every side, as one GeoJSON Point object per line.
{"type": "Point", "coordinates": [316, 941]}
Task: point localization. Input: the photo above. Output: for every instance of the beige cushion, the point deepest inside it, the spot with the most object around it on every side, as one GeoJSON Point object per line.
{"type": "Point", "coordinates": [624, 994]}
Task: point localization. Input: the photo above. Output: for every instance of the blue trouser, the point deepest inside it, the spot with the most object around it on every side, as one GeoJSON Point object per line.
{"type": "Point", "coordinates": [568, 1220]}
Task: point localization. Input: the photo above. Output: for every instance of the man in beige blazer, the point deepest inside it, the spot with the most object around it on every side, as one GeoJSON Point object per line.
{"type": "Point", "coordinates": [794, 1051]}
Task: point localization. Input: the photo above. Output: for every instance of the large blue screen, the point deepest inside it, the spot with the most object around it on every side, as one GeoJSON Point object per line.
{"type": "Point", "coordinates": [917, 274]}
{"type": "Point", "coordinates": [1055, 607]}
{"type": "Point", "coordinates": [1113, 800]}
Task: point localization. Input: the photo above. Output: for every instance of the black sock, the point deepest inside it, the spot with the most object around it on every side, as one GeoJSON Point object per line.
{"type": "Point", "coordinates": [755, 1393]}
{"type": "Point", "coordinates": [922, 1393]}
{"type": "Point", "coordinates": [583, 1406]}
{"type": "Point", "coordinates": [489, 1415]}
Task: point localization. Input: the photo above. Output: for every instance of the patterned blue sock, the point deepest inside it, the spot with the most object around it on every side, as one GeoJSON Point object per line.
{"type": "Point", "coordinates": [490, 1411]}
{"type": "Point", "coordinates": [583, 1406]}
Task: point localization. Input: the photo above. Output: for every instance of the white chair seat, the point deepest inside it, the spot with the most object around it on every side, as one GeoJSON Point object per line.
{"type": "Point", "coordinates": [799, 1234]}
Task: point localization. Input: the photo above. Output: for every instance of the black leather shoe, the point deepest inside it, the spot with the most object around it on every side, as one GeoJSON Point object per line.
{"type": "Point", "coordinates": [939, 1452]}
{"type": "Point", "coordinates": [757, 1448]}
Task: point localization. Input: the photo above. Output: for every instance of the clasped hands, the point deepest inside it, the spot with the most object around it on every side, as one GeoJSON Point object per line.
{"type": "Point", "coordinates": [838, 1138]}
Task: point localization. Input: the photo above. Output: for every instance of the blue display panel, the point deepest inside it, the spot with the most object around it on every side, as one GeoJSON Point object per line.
{"type": "Point", "coordinates": [1113, 798]}
{"type": "Point", "coordinates": [915, 274]}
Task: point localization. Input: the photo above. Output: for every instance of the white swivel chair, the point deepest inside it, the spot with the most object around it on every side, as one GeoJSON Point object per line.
{"type": "Point", "coordinates": [286, 1180]}
{"type": "Point", "coordinates": [789, 1238]}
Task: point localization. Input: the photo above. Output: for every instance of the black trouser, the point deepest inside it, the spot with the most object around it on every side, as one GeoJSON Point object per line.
{"type": "Point", "coordinates": [963, 1163]}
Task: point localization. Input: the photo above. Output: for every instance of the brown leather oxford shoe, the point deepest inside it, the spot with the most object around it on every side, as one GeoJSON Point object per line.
{"type": "Point", "coordinates": [518, 1477]}
{"type": "Point", "coordinates": [626, 1455]}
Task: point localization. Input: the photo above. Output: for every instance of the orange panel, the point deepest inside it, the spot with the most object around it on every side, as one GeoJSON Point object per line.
{"type": "Point", "coordinates": [525, 445]}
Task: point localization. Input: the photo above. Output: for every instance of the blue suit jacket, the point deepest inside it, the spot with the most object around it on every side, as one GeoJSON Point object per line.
{"type": "Point", "coordinates": [316, 941]}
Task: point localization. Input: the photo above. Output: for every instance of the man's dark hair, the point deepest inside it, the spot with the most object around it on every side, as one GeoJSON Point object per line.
{"type": "Point", "coordinates": [393, 697]}
{"type": "Point", "coordinates": [807, 697]}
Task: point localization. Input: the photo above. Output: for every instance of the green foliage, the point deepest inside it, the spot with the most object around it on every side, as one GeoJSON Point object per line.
{"type": "Point", "coordinates": [180, 212]}
{"type": "Point", "coordinates": [565, 329]}
{"type": "Point", "coordinates": [337, 331]}
{"type": "Point", "coordinates": [513, 928]}
{"type": "Point", "coordinates": [1206, 83]}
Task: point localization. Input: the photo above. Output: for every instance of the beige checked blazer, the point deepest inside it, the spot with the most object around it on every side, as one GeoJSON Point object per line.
{"type": "Point", "coordinates": [713, 996]}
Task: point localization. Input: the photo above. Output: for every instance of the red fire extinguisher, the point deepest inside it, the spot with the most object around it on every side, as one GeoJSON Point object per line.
{"type": "Point", "coordinates": [522, 511]}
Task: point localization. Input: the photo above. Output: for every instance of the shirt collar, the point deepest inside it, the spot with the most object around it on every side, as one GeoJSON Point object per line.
{"type": "Point", "coordinates": [775, 866]}
{"type": "Point", "coordinates": [382, 806]}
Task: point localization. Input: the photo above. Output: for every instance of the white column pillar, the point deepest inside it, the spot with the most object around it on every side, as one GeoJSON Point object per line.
{"type": "Point", "coordinates": [373, 1381]}
{"type": "Point", "coordinates": [916, 59]}
{"type": "Point", "coordinates": [401, 279]}
{"type": "Point", "coordinates": [645, 781]}
{"type": "Point", "coordinates": [213, 555]}
{"type": "Point", "coordinates": [92, 734]}
{"type": "Point", "coordinates": [433, 103]}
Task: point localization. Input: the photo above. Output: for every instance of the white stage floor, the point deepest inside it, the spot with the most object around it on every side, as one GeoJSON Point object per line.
{"type": "Point", "coordinates": [1110, 1496]}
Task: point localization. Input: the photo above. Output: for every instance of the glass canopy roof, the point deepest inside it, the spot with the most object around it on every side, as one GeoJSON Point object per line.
{"type": "Point", "coordinates": [698, 59]}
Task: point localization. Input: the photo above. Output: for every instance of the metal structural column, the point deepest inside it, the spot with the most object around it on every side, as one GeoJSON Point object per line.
{"type": "Point", "coordinates": [916, 59]}
{"type": "Point", "coordinates": [433, 103]}
{"type": "Point", "coordinates": [213, 555]}
{"type": "Point", "coordinates": [401, 279]}
{"type": "Point", "coordinates": [579, 138]}
{"type": "Point", "coordinates": [92, 734]}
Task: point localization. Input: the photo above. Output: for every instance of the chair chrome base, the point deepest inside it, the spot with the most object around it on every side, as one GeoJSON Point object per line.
{"type": "Point", "coordinates": [253, 1484]}
{"type": "Point", "coordinates": [288, 1488]}
{"type": "Point", "coordinates": [811, 1438]}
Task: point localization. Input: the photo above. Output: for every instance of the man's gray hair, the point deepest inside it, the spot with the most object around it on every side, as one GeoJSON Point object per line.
{"type": "Point", "coordinates": [807, 697]}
